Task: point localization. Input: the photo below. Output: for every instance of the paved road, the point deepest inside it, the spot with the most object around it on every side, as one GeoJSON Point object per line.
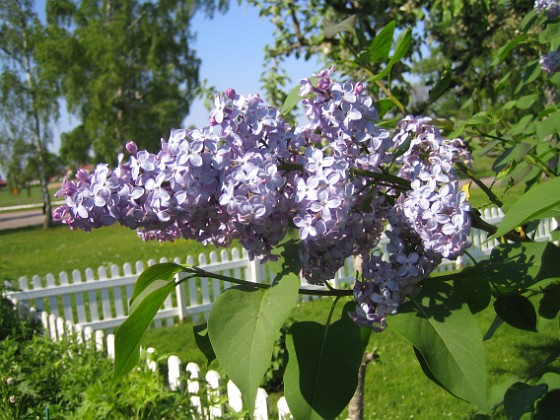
{"type": "Point", "coordinates": [19, 219]}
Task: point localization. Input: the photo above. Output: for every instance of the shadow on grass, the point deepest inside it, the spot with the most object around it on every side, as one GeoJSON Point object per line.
{"type": "Point", "coordinates": [540, 358]}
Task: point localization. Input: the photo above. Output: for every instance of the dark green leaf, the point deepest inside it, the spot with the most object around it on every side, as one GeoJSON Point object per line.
{"type": "Point", "coordinates": [322, 370]}
{"type": "Point", "coordinates": [440, 326]}
{"type": "Point", "coordinates": [475, 289]}
{"type": "Point", "coordinates": [243, 326]}
{"type": "Point", "coordinates": [441, 86]}
{"type": "Point", "coordinates": [496, 323]}
{"type": "Point", "coordinates": [531, 205]}
{"type": "Point", "coordinates": [548, 407]}
{"type": "Point", "coordinates": [380, 47]}
{"type": "Point", "coordinates": [520, 398]}
{"type": "Point", "coordinates": [549, 305]}
{"type": "Point", "coordinates": [402, 46]}
{"type": "Point", "coordinates": [517, 311]}
{"type": "Point", "coordinates": [203, 342]}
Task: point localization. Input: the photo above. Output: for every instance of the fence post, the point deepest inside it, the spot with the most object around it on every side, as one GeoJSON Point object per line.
{"type": "Point", "coordinates": [111, 346]}
{"type": "Point", "coordinates": [213, 383]}
{"type": "Point", "coordinates": [235, 400]}
{"type": "Point", "coordinates": [283, 409]}
{"type": "Point", "coordinates": [173, 372]}
{"type": "Point", "coordinates": [261, 405]}
{"type": "Point", "coordinates": [193, 387]}
{"type": "Point", "coordinates": [99, 339]}
{"type": "Point", "coordinates": [181, 297]}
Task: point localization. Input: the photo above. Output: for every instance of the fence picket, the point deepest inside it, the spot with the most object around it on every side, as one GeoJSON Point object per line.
{"type": "Point", "coordinates": [213, 382]}
{"type": "Point", "coordinates": [283, 409]}
{"type": "Point", "coordinates": [193, 387]}
{"type": "Point", "coordinates": [174, 372]}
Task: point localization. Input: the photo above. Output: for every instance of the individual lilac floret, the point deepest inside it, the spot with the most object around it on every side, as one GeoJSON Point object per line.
{"type": "Point", "coordinates": [550, 62]}
{"type": "Point", "coordinates": [551, 7]}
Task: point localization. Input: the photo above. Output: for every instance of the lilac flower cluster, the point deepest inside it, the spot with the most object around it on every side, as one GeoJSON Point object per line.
{"type": "Point", "coordinates": [428, 222]}
{"type": "Point", "coordinates": [250, 176]}
{"type": "Point", "coordinates": [550, 7]}
{"type": "Point", "coordinates": [550, 62]}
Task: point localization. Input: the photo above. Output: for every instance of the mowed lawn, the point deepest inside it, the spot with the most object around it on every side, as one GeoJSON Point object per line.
{"type": "Point", "coordinates": [34, 250]}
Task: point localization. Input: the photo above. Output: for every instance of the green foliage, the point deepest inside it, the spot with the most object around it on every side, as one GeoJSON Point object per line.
{"type": "Point", "coordinates": [243, 327]}
{"type": "Point", "coordinates": [127, 70]}
{"type": "Point", "coordinates": [440, 326]}
{"type": "Point", "coordinates": [150, 291]}
{"type": "Point", "coordinates": [322, 370]}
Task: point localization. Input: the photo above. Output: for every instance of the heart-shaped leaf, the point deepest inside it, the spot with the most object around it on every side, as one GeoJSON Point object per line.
{"type": "Point", "coordinates": [243, 326]}
{"type": "Point", "coordinates": [322, 370]}
{"type": "Point", "coordinates": [440, 326]}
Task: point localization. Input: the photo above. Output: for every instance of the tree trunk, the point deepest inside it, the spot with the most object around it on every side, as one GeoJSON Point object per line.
{"type": "Point", "coordinates": [356, 406]}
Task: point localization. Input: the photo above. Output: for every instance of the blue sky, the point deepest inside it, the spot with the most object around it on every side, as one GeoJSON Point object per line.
{"type": "Point", "coordinates": [230, 47]}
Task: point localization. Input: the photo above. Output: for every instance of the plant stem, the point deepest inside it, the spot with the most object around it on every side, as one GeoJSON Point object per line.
{"type": "Point", "coordinates": [481, 184]}
{"type": "Point", "coordinates": [199, 272]}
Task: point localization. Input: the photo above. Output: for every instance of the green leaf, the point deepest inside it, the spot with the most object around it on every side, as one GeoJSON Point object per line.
{"type": "Point", "coordinates": [142, 312]}
{"type": "Point", "coordinates": [517, 311]}
{"type": "Point", "coordinates": [520, 398]}
{"type": "Point", "coordinates": [498, 391]}
{"type": "Point", "coordinates": [548, 126]}
{"type": "Point", "coordinates": [549, 305]}
{"type": "Point", "coordinates": [526, 102]}
{"type": "Point", "coordinates": [547, 407]}
{"type": "Point", "coordinates": [504, 51]}
{"type": "Point", "coordinates": [322, 370]}
{"type": "Point", "coordinates": [165, 271]}
{"type": "Point", "coordinates": [482, 117]}
{"type": "Point", "coordinates": [291, 100]}
{"type": "Point", "coordinates": [441, 86]}
{"type": "Point", "coordinates": [512, 154]}
{"type": "Point", "coordinates": [347, 25]}
{"type": "Point", "coordinates": [531, 205]}
{"type": "Point", "coordinates": [401, 48]}
{"type": "Point", "coordinates": [496, 323]}
{"type": "Point", "coordinates": [243, 326]}
{"type": "Point", "coordinates": [439, 324]}
{"type": "Point", "coordinates": [380, 47]}
{"type": "Point", "coordinates": [203, 342]}
{"type": "Point", "coordinates": [475, 289]}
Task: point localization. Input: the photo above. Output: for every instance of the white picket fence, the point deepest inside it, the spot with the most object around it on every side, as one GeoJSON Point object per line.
{"type": "Point", "coordinates": [100, 299]}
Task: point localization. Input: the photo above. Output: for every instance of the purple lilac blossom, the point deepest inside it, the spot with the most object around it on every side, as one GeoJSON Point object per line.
{"type": "Point", "coordinates": [551, 7]}
{"type": "Point", "coordinates": [550, 62]}
{"type": "Point", "coordinates": [249, 176]}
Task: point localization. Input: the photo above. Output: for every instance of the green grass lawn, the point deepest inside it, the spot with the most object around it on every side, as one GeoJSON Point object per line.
{"type": "Point", "coordinates": [34, 250]}
{"type": "Point", "coordinates": [32, 195]}
{"type": "Point", "coordinates": [396, 387]}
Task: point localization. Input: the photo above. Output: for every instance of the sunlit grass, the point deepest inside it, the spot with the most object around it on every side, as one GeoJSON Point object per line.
{"type": "Point", "coordinates": [34, 250]}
